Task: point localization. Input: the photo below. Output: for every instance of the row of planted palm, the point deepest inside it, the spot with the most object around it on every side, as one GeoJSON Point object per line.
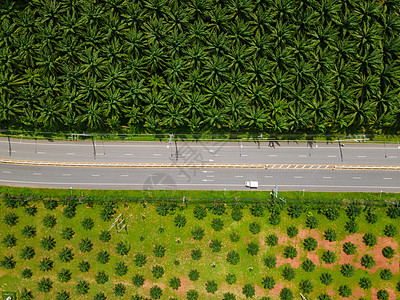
{"type": "Point", "coordinates": [274, 66]}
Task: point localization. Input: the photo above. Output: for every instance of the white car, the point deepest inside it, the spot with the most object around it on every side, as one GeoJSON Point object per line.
{"type": "Point", "coordinates": [251, 184]}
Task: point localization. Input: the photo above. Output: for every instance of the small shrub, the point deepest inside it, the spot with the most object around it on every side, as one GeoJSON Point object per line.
{"type": "Point", "coordinates": [101, 277]}
{"type": "Point", "coordinates": [48, 243]}
{"type": "Point", "coordinates": [386, 274]}
{"type": "Point", "coordinates": [371, 218]}
{"type": "Point", "coordinates": [211, 286]}
{"type": "Point", "coordinates": [103, 257]}
{"type": "Point", "coordinates": [87, 223]}
{"type": "Point", "coordinates": [105, 236]}
{"type": "Point", "coordinates": [158, 271]}
{"type": "Point", "coordinates": [347, 270]}
{"type": "Point", "coordinates": [257, 210]}
{"type": "Point", "coordinates": [270, 262]}
{"type": "Point", "coordinates": [46, 264]}
{"type": "Point", "coordinates": [10, 219]}
{"type": "Point", "coordinates": [85, 245]}
{"type": "Point", "coordinates": [308, 265]}
{"type": "Point", "coordinates": [66, 255]}
{"type": "Point", "coordinates": [194, 275]}
{"type": "Point", "coordinates": [329, 257]}
{"type": "Point", "coordinates": [45, 285]}
{"type": "Point", "coordinates": [268, 282]}
{"type": "Point", "coordinates": [286, 294]}
{"type": "Point", "coordinates": [140, 260]}
{"type": "Point", "coordinates": [367, 261]}
{"type": "Point", "coordinates": [306, 286]}
{"type": "Point", "coordinates": [393, 211]}
{"type": "Point", "coordinates": [325, 297]}
{"type": "Point", "coordinates": [331, 213]}
{"type": "Point", "coordinates": [217, 208]}
{"type": "Point", "coordinates": [49, 221]}
{"type": "Point", "coordinates": [180, 221]}
{"type": "Point", "coordinates": [229, 296]}
{"type": "Point", "coordinates": [119, 290]}
{"type": "Point", "coordinates": [138, 280]}
{"type": "Point", "coordinates": [398, 286]}
{"type": "Point", "coordinates": [84, 266]}
{"type": "Point", "coordinates": [344, 291]}
{"type": "Point", "coordinates": [351, 226]}
{"type": "Point", "coordinates": [288, 273]}
{"type": "Point", "coordinates": [230, 279]}
{"type": "Point", "coordinates": [122, 249]}
{"type": "Point", "coordinates": [295, 210]}
{"type": "Point", "coordinates": [290, 252]}
{"type": "Point", "coordinates": [67, 233]}
{"type": "Point", "coordinates": [121, 269]}
{"type": "Point", "coordinates": [365, 283]}
{"type": "Point", "coordinates": [249, 291]}
{"type": "Point", "coordinates": [26, 294]}
{"type": "Point", "coordinates": [82, 288]}
{"type": "Point", "coordinates": [176, 262]}
{"type": "Point", "coordinates": [50, 204]}
{"type": "Point", "coordinates": [192, 295]}
{"type": "Point", "coordinates": [353, 211]}
{"type": "Point", "coordinates": [330, 235]}
{"type": "Point", "coordinates": [349, 248]}
{"type": "Point", "coordinates": [252, 248]}
{"type": "Point", "coordinates": [233, 257]}
{"type": "Point", "coordinates": [271, 240]}
{"type": "Point", "coordinates": [159, 251]}
{"type": "Point", "coordinates": [370, 239]}
{"type": "Point", "coordinates": [217, 224]}
{"type": "Point", "coordinates": [30, 210]}
{"type": "Point", "coordinates": [390, 230]}
{"type": "Point", "coordinates": [162, 209]}
{"type": "Point", "coordinates": [254, 227]}
{"type": "Point", "coordinates": [274, 219]}
{"type": "Point", "coordinates": [292, 231]}
{"type": "Point", "coordinates": [310, 244]}
{"type": "Point", "coordinates": [28, 231]}
{"type": "Point", "coordinates": [388, 252]}
{"type": "Point", "coordinates": [69, 211]}
{"type": "Point", "coordinates": [312, 222]}
{"type": "Point", "coordinates": [64, 275]}
{"type": "Point", "coordinates": [326, 278]}
{"type": "Point", "coordinates": [382, 295]}
{"type": "Point", "coordinates": [237, 214]}
{"type": "Point", "coordinates": [198, 233]}
{"type": "Point", "coordinates": [215, 245]}
{"type": "Point", "coordinates": [234, 236]}
{"type": "Point", "coordinates": [199, 212]}
{"type": "Point", "coordinates": [196, 254]}
{"type": "Point", "coordinates": [26, 273]}
{"type": "Point", "coordinates": [175, 283]}
{"type": "Point", "coordinates": [155, 292]}
{"type": "Point", "coordinates": [9, 241]}
{"type": "Point", "coordinates": [108, 211]}
{"type": "Point", "coordinates": [100, 296]}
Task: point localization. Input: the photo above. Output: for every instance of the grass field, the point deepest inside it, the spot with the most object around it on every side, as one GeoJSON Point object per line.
{"type": "Point", "coordinates": [147, 229]}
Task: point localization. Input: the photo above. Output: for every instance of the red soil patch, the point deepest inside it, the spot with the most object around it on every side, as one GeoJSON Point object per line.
{"type": "Point", "coordinates": [358, 292]}
{"type": "Point", "coordinates": [259, 291]}
{"type": "Point", "coordinates": [313, 257]}
{"type": "Point", "coordinates": [392, 294]}
{"type": "Point", "coordinates": [277, 289]}
{"type": "Point", "coordinates": [294, 263]}
{"type": "Point", "coordinates": [186, 285]}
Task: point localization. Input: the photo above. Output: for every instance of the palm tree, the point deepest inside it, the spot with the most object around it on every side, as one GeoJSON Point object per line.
{"type": "Point", "coordinates": [216, 94]}
{"type": "Point", "coordinates": [370, 63]}
{"type": "Point", "coordinates": [239, 57]}
{"type": "Point", "coordinates": [10, 109]}
{"type": "Point", "coordinates": [176, 70]}
{"type": "Point", "coordinates": [134, 42]}
{"type": "Point", "coordinates": [156, 8]}
{"type": "Point", "coordinates": [115, 27]}
{"type": "Point", "coordinates": [301, 74]}
{"type": "Point", "coordinates": [114, 104]}
{"type": "Point", "coordinates": [69, 48]}
{"type": "Point", "coordinates": [241, 9]}
{"type": "Point", "coordinates": [196, 56]}
{"type": "Point", "coordinates": [178, 17]}
{"type": "Point", "coordinates": [176, 43]}
{"type": "Point", "coordinates": [92, 64]}
{"type": "Point", "coordinates": [237, 82]}
{"type": "Point", "coordinates": [299, 120]}
{"type": "Point", "coordinates": [114, 52]}
{"type": "Point", "coordinates": [216, 118]}
{"type": "Point", "coordinates": [137, 68]}
{"type": "Point", "coordinates": [240, 32]}
{"type": "Point", "coordinates": [50, 112]}
{"type": "Point", "coordinates": [114, 76]}
{"type": "Point", "coordinates": [135, 92]}
{"type": "Point", "coordinates": [219, 17]}
{"type": "Point", "coordinates": [92, 116]}
{"type": "Point", "coordinates": [258, 95]}
{"type": "Point", "coordinates": [156, 31]}
{"type": "Point", "coordinates": [195, 105]}
{"type": "Point", "coordinates": [256, 118]}
{"type": "Point", "coordinates": [155, 103]}
{"type": "Point", "coordinates": [175, 93]}
{"type": "Point", "coordinates": [257, 70]}
{"type": "Point", "coordinates": [156, 58]}
{"type": "Point", "coordinates": [174, 116]}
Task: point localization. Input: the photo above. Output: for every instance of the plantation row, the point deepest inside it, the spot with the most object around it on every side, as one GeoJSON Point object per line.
{"type": "Point", "coordinates": [230, 65]}
{"type": "Point", "coordinates": [48, 249]}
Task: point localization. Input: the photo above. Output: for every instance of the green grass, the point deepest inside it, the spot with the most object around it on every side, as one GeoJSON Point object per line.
{"type": "Point", "coordinates": [143, 221]}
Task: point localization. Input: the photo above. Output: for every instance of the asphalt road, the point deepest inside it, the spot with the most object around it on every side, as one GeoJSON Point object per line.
{"type": "Point", "coordinates": [200, 179]}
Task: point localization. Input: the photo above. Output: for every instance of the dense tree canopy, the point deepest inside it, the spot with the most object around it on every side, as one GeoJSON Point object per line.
{"type": "Point", "coordinates": [274, 66]}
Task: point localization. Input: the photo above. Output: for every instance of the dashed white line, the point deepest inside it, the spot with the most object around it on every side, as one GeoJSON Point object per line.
{"type": "Point", "coordinates": [327, 177]}
{"type": "Point", "coordinates": [156, 154]}
{"type": "Point", "coordinates": [302, 155]}
{"type": "Point", "coordinates": [66, 174]}
{"type": "Point", "coordinates": [272, 155]}
{"type": "Point", "coordinates": [297, 177]}
{"type": "Point", "coordinates": [70, 153]}
{"type": "Point", "coordinates": [356, 177]}
{"type": "Point", "coordinates": [38, 174]}
{"type": "Point", "coordinates": [210, 176]}
{"type": "Point", "coordinates": [238, 176]}
{"type": "Point", "coordinates": [95, 175]}
{"type": "Point", "coordinates": [41, 152]}
{"type": "Point", "coordinates": [207, 171]}
{"type": "Point", "coordinates": [128, 154]}
{"type": "Point", "coordinates": [206, 180]}
{"type": "Point", "coordinates": [215, 155]}
{"type": "Point", "coordinates": [244, 155]}
{"type": "Point", "coordinates": [387, 178]}
{"type": "Point", "coordinates": [361, 156]}
{"type": "Point", "coordinates": [392, 156]}
{"type": "Point", "coordinates": [6, 172]}
{"type": "Point", "coordinates": [268, 176]}
{"type": "Point", "coordinates": [181, 175]}
{"type": "Point", "coordinates": [124, 175]}
{"type": "Point", "coordinates": [331, 155]}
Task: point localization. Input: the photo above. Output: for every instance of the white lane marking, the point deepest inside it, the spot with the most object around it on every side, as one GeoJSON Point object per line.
{"type": "Point", "coordinates": [356, 177]}
{"type": "Point", "coordinates": [297, 177]}
{"type": "Point", "coordinates": [7, 172]}
{"type": "Point", "coordinates": [124, 175]}
{"type": "Point", "coordinates": [268, 176]}
{"type": "Point", "coordinates": [392, 156]}
{"type": "Point", "coordinates": [38, 174]}
{"type": "Point", "coordinates": [181, 175]}
{"type": "Point", "coordinates": [206, 171]}
{"type": "Point", "coordinates": [66, 174]}
{"type": "Point", "coordinates": [210, 160]}
{"type": "Point", "coordinates": [244, 155]}
{"type": "Point", "coordinates": [215, 155]}
{"type": "Point", "coordinates": [210, 176]}
{"type": "Point", "coordinates": [211, 150]}
{"type": "Point", "coordinates": [41, 152]}
{"type": "Point", "coordinates": [361, 156]}
{"type": "Point", "coordinates": [153, 175]}
{"type": "Point", "coordinates": [387, 178]}
{"type": "Point", "coordinates": [156, 154]}
{"type": "Point", "coordinates": [70, 153]}
{"type": "Point", "coordinates": [95, 175]}
{"type": "Point", "coordinates": [327, 177]}
{"type": "Point", "coordinates": [272, 155]}
{"type": "Point", "coordinates": [206, 180]}
{"type": "Point", "coordinates": [128, 154]}
{"type": "Point", "coordinates": [238, 176]}
{"type": "Point", "coordinates": [331, 155]}
{"type": "Point", "coordinates": [302, 155]}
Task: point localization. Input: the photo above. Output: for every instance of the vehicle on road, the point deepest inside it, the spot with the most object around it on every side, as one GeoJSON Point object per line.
{"type": "Point", "coordinates": [251, 184]}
